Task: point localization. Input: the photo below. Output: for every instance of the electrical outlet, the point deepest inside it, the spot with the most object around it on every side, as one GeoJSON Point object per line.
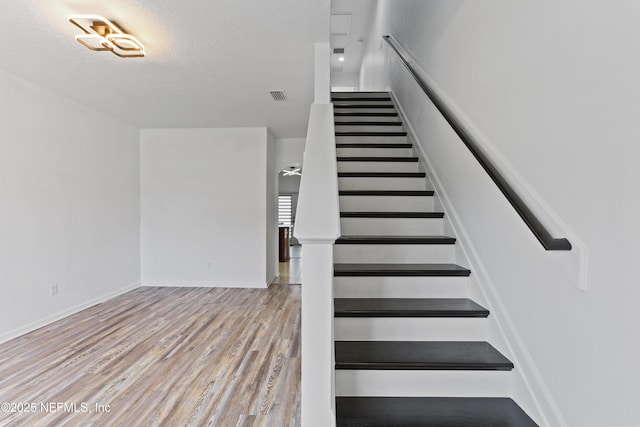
{"type": "Point", "coordinates": [54, 289]}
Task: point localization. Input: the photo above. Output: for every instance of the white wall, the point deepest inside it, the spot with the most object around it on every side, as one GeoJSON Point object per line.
{"type": "Point", "coordinates": [204, 207]}
{"type": "Point", "coordinates": [289, 151]}
{"type": "Point", "coordinates": [552, 87]}
{"type": "Point", "coordinates": [289, 184]}
{"type": "Point", "coordinates": [69, 210]}
{"type": "Point", "coordinates": [344, 79]}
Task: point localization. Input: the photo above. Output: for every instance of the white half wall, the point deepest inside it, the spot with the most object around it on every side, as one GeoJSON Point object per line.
{"type": "Point", "coordinates": [552, 89]}
{"type": "Point", "coordinates": [204, 201]}
{"type": "Point", "coordinates": [69, 210]}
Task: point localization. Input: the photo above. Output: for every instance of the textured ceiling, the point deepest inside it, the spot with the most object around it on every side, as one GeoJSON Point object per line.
{"type": "Point", "coordinates": [210, 63]}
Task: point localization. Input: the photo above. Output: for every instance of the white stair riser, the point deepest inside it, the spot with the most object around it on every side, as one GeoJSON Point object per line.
{"type": "Point", "coordinates": [339, 102]}
{"type": "Point", "coordinates": [400, 287]}
{"type": "Point", "coordinates": [394, 119]}
{"type": "Point", "coordinates": [338, 109]}
{"type": "Point", "coordinates": [386, 203]}
{"type": "Point", "coordinates": [347, 253]}
{"type": "Point", "coordinates": [423, 383]}
{"type": "Point", "coordinates": [371, 139]}
{"type": "Point", "coordinates": [391, 226]}
{"type": "Point", "coordinates": [374, 152]}
{"type": "Point", "coordinates": [368, 128]}
{"type": "Point", "coordinates": [374, 183]}
{"type": "Point", "coordinates": [378, 166]}
{"type": "Point", "coordinates": [410, 329]}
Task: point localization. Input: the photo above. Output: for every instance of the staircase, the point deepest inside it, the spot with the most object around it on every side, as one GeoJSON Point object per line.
{"type": "Point", "coordinates": [409, 347]}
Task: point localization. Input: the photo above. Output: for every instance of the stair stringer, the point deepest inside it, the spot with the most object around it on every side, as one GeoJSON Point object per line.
{"type": "Point", "coordinates": [529, 388]}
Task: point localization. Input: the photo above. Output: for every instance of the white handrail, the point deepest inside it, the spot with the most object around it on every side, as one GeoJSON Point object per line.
{"type": "Point", "coordinates": [317, 227]}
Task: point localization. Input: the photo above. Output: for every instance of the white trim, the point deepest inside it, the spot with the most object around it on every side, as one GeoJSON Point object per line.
{"type": "Point", "coordinates": [65, 313]}
{"type": "Point", "coordinates": [272, 279]}
{"type": "Point", "coordinates": [204, 284]}
{"type": "Point", "coordinates": [525, 368]}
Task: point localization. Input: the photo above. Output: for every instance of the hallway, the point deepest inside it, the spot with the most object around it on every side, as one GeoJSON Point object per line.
{"type": "Point", "coordinates": [291, 271]}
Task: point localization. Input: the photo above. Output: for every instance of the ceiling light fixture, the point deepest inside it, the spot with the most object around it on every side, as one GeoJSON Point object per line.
{"type": "Point", "coordinates": [100, 34]}
{"type": "Point", "coordinates": [341, 59]}
{"type": "Point", "coordinates": [292, 172]}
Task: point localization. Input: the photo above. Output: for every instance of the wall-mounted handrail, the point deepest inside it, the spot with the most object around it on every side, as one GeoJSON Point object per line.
{"type": "Point", "coordinates": [543, 235]}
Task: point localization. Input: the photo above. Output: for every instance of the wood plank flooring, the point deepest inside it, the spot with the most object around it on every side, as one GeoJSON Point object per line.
{"type": "Point", "coordinates": [162, 357]}
{"type": "Point", "coordinates": [291, 271]}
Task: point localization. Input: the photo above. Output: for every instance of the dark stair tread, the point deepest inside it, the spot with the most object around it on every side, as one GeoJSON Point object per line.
{"type": "Point", "coordinates": [420, 355]}
{"type": "Point", "coordinates": [338, 93]}
{"type": "Point", "coordinates": [372, 145]}
{"type": "Point", "coordinates": [358, 214]}
{"type": "Point", "coordinates": [396, 270]}
{"type": "Point", "coordinates": [335, 99]}
{"type": "Point", "coordinates": [368, 123]}
{"type": "Point", "coordinates": [408, 307]}
{"type": "Point", "coordinates": [371, 114]}
{"type": "Point", "coordinates": [430, 412]}
{"type": "Point", "coordinates": [381, 174]}
{"type": "Point", "coordinates": [356, 105]}
{"type": "Point", "coordinates": [378, 159]}
{"type": "Point", "coordinates": [351, 95]}
{"type": "Point", "coordinates": [338, 133]}
{"type": "Point", "coordinates": [411, 193]}
{"type": "Point", "coordinates": [395, 240]}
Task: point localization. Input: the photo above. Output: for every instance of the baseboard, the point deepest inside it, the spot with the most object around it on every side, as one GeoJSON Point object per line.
{"type": "Point", "coordinates": [546, 410]}
{"type": "Point", "coordinates": [64, 313]}
{"type": "Point", "coordinates": [273, 278]}
{"type": "Point", "coordinates": [203, 284]}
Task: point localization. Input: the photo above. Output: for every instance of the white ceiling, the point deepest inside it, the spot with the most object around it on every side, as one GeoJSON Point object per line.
{"type": "Point", "coordinates": [361, 12]}
{"type": "Point", "coordinates": [210, 63]}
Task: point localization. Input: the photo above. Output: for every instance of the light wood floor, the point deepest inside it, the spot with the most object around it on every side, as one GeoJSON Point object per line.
{"type": "Point", "coordinates": [163, 357]}
{"type": "Point", "coordinates": [291, 271]}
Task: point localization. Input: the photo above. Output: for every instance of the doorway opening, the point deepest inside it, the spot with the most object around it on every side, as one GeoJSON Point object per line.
{"type": "Point", "coordinates": [290, 250]}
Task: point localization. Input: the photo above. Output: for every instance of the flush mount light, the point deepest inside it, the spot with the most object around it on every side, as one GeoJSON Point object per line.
{"type": "Point", "coordinates": [341, 59]}
{"type": "Point", "coordinates": [100, 34]}
{"type": "Point", "coordinates": [291, 172]}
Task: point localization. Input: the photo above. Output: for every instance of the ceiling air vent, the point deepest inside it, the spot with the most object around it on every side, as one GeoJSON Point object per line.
{"type": "Point", "coordinates": [338, 50]}
{"type": "Point", "coordinates": [278, 95]}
